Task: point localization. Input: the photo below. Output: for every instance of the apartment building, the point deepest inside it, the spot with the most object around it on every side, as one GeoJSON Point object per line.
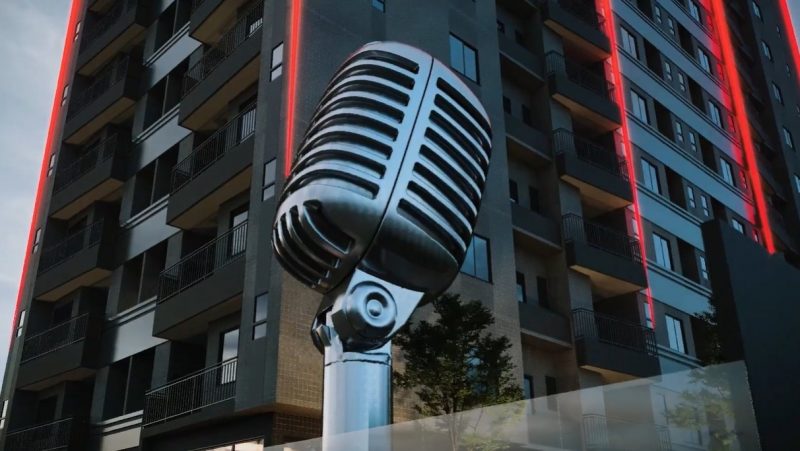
{"type": "Point", "coordinates": [153, 315]}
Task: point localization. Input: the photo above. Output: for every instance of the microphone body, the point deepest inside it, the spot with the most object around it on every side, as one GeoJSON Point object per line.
{"type": "Point", "coordinates": [378, 212]}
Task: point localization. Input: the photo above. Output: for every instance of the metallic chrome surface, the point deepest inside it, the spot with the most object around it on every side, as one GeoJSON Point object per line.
{"type": "Point", "coordinates": [378, 212]}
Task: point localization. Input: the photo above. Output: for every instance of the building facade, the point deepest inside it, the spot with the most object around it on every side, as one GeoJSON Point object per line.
{"type": "Point", "coordinates": [153, 315]}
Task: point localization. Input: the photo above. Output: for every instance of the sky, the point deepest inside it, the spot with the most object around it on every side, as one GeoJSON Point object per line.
{"type": "Point", "coordinates": [31, 40]}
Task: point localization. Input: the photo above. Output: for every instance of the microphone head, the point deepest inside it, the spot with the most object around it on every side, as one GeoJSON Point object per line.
{"type": "Point", "coordinates": [389, 176]}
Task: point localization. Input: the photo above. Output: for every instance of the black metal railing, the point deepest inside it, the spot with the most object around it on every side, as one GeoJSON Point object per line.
{"type": "Point", "coordinates": [557, 64]}
{"type": "Point", "coordinates": [56, 337]}
{"type": "Point", "coordinates": [588, 324]}
{"type": "Point", "coordinates": [575, 228]}
{"type": "Point", "coordinates": [584, 10]}
{"type": "Point", "coordinates": [202, 263]}
{"type": "Point", "coordinates": [102, 24]}
{"type": "Point", "coordinates": [190, 393]}
{"type": "Point", "coordinates": [90, 159]}
{"type": "Point", "coordinates": [602, 432]}
{"type": "Point", "coordinates": [71, 245]}
{"type": "Point", "coordinates": [245, 27]}
{"type": "Point", "coordinates": [55, 435]}
{"type": "Point", "coordinates": [212, 149]}
{"type": "Point", "coordinates": [109, 76]}
{"type": "Point", "coordinates": [564, 141]}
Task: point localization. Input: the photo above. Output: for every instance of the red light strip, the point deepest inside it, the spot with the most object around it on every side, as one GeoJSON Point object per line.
{"type": "Point", "coordinates": [786, 14]}
{"type": "Point", "coordinates": [604, 9]}
{"type": "Point", "coordinates": [50, 147]}
{"type": "Point", "coordinates": [739, 106]}
{"type": "Point", "coordinates": [291, 83]}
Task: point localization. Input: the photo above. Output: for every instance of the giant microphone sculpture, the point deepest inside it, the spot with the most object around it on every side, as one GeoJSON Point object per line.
{"type": "Point", "coordinates": [378, 213]}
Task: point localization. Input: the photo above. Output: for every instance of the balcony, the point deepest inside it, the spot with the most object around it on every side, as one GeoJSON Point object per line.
{"type": "Point", "coordinates": [535, 230]}
{"type": "Point", "coordinates": [92, 177]}
{"type": "Point", "coordinates": [216, 170]}
{"type": "Point", "coordinates": [89, 254]}
{"type": "Point", "coordinates": [778, 225]}
{"type": "Point", "coordinates": [544, 326]}
{"type": "Point", "coordinates": [209, 85]}
{"type": "Point", "coordinates": [599, 173]}
{"type": "Point", "coordinates": [606, 344]}
{"type": "Point", "coordinates": [68, 434]}
{"type": "Point", "coordinates": [579, 25]}
{"type": "Point", "coordinates": [209, 17]}
{"type": "Point", "coordinates": [611, 259]}
{"type": "Point", "coordinates": [107, 99]}
{"type": "Point", "coordinates": [67, 351]}
{"type": "Point", "coordinates": [587, 95]}
{"type": "Point", "coordinates": [202, 286]}
{"type": "Point", "coordinates": [526, 143]}
{"type": "Point", "coordinates": [519, 63]}
{"type": "Point", "coordinates": [199, 396]}
{"type": "Point", "coordinates": [125, 22]}
{"type": "Point", "coordinates": [605, 433]}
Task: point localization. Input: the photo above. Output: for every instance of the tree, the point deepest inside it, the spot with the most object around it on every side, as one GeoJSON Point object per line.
{"type": "Point", "coordinates": [454, 364]}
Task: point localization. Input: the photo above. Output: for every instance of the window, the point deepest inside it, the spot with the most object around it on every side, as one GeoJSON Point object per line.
{"type": "Point", "coordinates": [756, 235]}
{"type": "Point", "coordinates": [533, 197]}
{"type": "Point", "coordinates": [797, 183]}
{"type": "Point", "coordinates": [77, 34]}
{"type": "Point", "coordinates": [767, 51]}
{"type": "Point", "coordinates": [501, 27]}
{"type": "Point", "coordinates": [668, 71]}
{"type": "Point", "coordinates": [171, 21]}
{"type": "Point", "coordinates": [543, 291]}
{"type": "Point", "coordinates": [693, 141]}
{"type": "Point", "coordinates": [268, 182]}
{"type": "Point", "coordinates": [37, 240]}
{"type": "Point", "coordinates": [662, 251]}
{"type": "Point", "coordinates": [671, 26]}
{"type": "Point", "coordinates": [629, 42]}
{"type": "Point", "coordinates": [639, 105]}
{"type": "Point", "coordinates": [682, 81]}
{"type": "Point", "coordinates": [690, 197]}
{"type": "Point", "coordinates": [726, 171]}
{"type": "Point", "coordinates": [551, 389]}
{"type": "Point", "coordinates": [694, 11]}
{"type": "Point", "coordinates": [787, 138]}
{"type": "Point", "coordinates": [675, 334]}
{"type": "Point", "coordinates": [702, 58]}
{"type": "Point", "coordinates": [51, 166]}
{"type": "Point", "coordinates": [757, 11]}
{"type": "Point", "coordinates": [704, 204]}
{"type": "Point", "coordinates": [238, 227]}
{"type": "Point", "coordinates": [648, 315]}
{"type": "Point", "coordinates": [703, 268]}
{"type": "Point", "coordinates": [513, 193]}
{"type": "Point", "coordinates": [20, 323]}
{"type": "Point", "coordinates": [64, 95]}
{"type": "Point", "coordinates": [776, 92]}
{"type": "Point", "coordinates": [476, 263]}
{"type": "Point", "coordinates": [527, 386]}
{"type": "Point", "coordinates": [737, 225]}
{"type": "Point", "coordinates": [276, 66]}
{"type": "Point", "coordinates": [250, 445]}
{"type": "Point", "coordinates": [714, 113]}
{"type": "Point", "coordinates": [380, 5]}
{"type": "Point", "coordinates": [679, 132]}
{"type": "Point", "coordinates": [520, 293]}
{"type": "Point", "coordinates": [526, 115]}
{"type": "Point", "coordinates": [260, 316]}
{"type": "Point", "coordinates": [228, 349]}
{"type": "Point", "coordinates": [650, 176]}
{"type": "Point", "coordinates": [463, 58]}
{"type": "Point", "coordinates": [657, 14]}
{"type": "Point", "coordinates": [506, 105]}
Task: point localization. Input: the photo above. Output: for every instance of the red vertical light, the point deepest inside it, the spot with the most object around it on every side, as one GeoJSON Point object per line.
{"type": "Point", "coordinates": [786, 15]}
{"type": "Point", "coordinates": [50, 147]}
{"type": "Point", "coordinates": [740, 110]}
{"type": "Point", "coordinates": [295, 14]}
{"type": "Point", "coordinates": [605, 11]}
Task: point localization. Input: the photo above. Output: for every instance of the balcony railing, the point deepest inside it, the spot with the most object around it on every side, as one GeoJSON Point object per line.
{"type": "Point", "coordinates": [103, 81]}
{"type": "Point", "coordinates": [190, 393]}
{"type": "Point", "coordinates": [71, 245]}
{"type": "Point", "coordinates": [107, 20]}
{"type": "Point", "coordinates": [244, 28]}
{"type": "Point", "coordinates": [564, 141]}
{"type": "Point", "coordinates": [55, 338]}
{"type": "Point", "coordinates": [575, 228]}
{"type": "Point", "coordinates": [584, 10]}
{"type": "Point", "coordinates": [90, 159]}
{"type": "Point", "coordinates": [557, 64]}
{"type": "Point", "coordinates": [202, 263]}
{"type": "Point", "coordinates": [55, 435]}
{"type": "Point", "coordinates": [588, 324]}
{"type": "Point", "coordinates": [599, 430]}
{"type": "Point", "coordinates": [212, 149]}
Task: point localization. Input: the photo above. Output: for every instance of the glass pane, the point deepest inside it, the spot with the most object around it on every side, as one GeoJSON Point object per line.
{"type": "Point", "coordinates": [260, 331]}
{"type": "Point", "coordinates": [229, 346]}
{"type": "Point", "coordinates": [481, 259]}
{"type": "Point", "coordinates": [261, 308]}
{"type": "Point", "coordinates": [470, 64]}
{"type": "Point", "coordinates": [456, 54]}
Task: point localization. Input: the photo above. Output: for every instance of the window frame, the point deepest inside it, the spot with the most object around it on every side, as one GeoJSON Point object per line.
{"type": "Point", "coordinates": [461, 68]}
{"type": "Point", "coordinates": [663, 251]}
{"type": "Point", "coordinates": [675, 333]}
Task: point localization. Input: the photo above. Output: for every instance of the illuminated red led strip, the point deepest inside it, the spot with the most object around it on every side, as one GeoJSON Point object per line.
{"type": "Point", "coordinates": [740, 109]}
{"type": "Point", "coordinates": [605, 11]}
{"type": "Point", "coordinates": [50, 146]}
{"type": "Point", "coordinates": [291, 83]}
{"type": "Point", "coordinates": [786, 14]}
